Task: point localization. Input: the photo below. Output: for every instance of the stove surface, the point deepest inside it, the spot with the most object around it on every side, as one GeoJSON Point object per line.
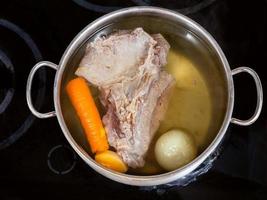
{"type": "Point", "coordinates": [36, 162]}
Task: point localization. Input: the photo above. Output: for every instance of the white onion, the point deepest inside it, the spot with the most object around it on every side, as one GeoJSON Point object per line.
{"type": "Point", "coordinates": [175, 149]}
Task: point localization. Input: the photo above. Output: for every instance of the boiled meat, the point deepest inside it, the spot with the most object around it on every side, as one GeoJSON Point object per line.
{"type": "Point", "coordinates": [134, 88]}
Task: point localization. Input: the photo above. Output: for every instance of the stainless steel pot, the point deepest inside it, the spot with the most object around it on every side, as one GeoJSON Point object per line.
{"type": "Point", "coordinates": [158, 13]}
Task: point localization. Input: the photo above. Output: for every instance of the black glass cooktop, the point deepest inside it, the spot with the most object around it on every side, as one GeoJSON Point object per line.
{"type": "Point", "coordinates": [36, 162]}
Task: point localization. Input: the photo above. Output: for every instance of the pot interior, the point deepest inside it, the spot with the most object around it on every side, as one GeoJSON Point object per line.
{"type": "Point", "coordinates": [199, 102]}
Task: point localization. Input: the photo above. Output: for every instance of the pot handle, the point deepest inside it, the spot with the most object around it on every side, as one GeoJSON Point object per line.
{"type": "Point", "coordinates": [259, 96]}
{"type": "Point", "coordinates": [29, 87]}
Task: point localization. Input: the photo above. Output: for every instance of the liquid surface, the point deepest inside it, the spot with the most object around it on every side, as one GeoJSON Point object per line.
{"type": "Point", "coordinates": [197, 104]}
{"type": "Point", "coordinates": [190, 105]}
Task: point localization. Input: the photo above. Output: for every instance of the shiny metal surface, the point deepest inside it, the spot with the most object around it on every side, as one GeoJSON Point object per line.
{"type": "Point", "coordinates": [259, 96]}
{"type": "Point", "coordinates": [29, 86]}
{"type": "Point", "coordinates": [166, 15]}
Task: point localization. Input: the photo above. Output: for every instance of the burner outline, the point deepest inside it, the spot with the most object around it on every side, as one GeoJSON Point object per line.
{"type": "Point", "coordinates": [106, 9]}
{"type": "Point", "coordinates": [42, 77]}
{"type": "Point", "coordinates": [96, 7]}
{"type": "Point", "coordinates": [49, 164]}
{"type": "Point", "coordinates": [10, 92]}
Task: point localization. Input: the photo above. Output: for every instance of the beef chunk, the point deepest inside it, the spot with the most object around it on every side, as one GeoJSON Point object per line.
{"type": "Point", "coordinates": [134, 88]}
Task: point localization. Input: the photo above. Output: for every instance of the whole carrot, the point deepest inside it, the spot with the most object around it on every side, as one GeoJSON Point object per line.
{"type": "Point", "coordinates": [83, 102]}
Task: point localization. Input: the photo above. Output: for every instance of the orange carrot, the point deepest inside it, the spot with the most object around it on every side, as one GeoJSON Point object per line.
{"type": "Point", "coordinates": [111, 160]}
{"type": "Point", "coordinates": [83, 102]}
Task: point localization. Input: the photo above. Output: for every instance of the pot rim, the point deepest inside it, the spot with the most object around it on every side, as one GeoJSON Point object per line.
{"type": "Point", "coordinates": [151, 179]}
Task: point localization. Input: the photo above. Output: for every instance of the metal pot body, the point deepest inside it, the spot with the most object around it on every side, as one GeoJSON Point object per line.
{"type": "Point", "coordinates": [163, 14]}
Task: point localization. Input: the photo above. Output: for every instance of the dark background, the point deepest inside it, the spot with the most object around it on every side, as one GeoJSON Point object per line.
{"type": "Point", "coordinates": [36, 161]}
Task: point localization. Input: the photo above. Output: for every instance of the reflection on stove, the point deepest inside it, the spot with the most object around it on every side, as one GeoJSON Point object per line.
{"type": "Point", "coordinates": [196, 7]}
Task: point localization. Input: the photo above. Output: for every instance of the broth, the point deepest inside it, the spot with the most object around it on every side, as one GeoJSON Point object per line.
{"type": "Point", "coordinates": [197, 104]}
